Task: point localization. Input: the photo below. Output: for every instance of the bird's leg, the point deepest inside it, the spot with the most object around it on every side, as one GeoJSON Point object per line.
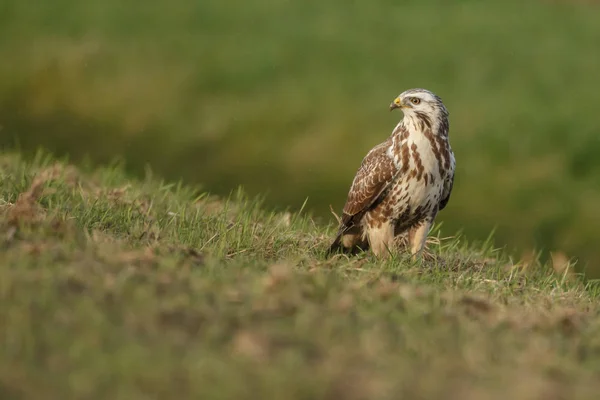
{"type": "Point", "coordinates": [417, 236]}
{"type": "Point", "coordinates": [381, 238]}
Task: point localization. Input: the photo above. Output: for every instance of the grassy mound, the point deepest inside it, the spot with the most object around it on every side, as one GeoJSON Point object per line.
{"type": "Point", "coordinates": [112, 288]}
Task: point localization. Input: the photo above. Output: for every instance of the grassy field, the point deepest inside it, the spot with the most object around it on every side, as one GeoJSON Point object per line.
{"type": "Point", "coordinates": [126, 289]}
{"type": "Point", "coordinates": [285, 97]}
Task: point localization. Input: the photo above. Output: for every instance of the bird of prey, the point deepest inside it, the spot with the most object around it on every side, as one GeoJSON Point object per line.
{"type": "Point", "coordinates": [403, 182]}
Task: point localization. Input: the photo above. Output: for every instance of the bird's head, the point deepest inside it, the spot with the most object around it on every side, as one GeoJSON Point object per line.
{"type": "Point", "coordinates": [422, 101]}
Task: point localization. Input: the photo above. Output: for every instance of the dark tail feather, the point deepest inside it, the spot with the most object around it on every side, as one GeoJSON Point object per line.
{"type": "Point", "coordinates": [336, 246]}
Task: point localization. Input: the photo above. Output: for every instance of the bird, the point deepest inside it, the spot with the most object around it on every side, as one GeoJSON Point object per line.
{"type": "Point", "coordinates": [402, 183]}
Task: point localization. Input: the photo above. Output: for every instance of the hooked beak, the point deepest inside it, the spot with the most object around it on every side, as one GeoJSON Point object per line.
{"type": "Point", "coordinates": [397, 103]}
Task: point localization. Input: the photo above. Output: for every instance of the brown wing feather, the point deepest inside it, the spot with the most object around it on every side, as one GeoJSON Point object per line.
{"type": "Point", "coordinates": [377, 171]}
{"type": "Point", "coordinates": [447, 191]}
{"type": "Point", "coordinates": [449, 183]}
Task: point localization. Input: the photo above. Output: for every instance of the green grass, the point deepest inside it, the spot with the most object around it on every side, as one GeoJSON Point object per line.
{"type": "Point", "coordinates": [286, 97]}
{"type": "Point", "coordinates": [135, 289]}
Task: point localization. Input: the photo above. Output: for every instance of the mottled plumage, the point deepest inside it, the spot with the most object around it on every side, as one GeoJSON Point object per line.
{"type": "Point", "coordinates": [403, 182]}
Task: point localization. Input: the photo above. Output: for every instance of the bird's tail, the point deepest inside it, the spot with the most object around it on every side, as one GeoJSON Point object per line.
{"type": "Point", "coordinates": [336, 246]}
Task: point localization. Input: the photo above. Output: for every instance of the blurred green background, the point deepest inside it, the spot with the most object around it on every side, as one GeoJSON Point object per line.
{"type": "Point", "coordinates": [285, 97]}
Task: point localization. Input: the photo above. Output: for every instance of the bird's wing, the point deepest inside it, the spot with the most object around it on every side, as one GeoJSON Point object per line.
{"type": "Point", "coordinates": [447, 191]}
{"type": "Point", "coordinates": [448, 185]}
{"type": "Point", "coordinates": [377, 171]}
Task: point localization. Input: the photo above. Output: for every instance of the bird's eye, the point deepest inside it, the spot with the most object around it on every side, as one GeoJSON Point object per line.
{"type": "Point", "coordinates": [415, 100]}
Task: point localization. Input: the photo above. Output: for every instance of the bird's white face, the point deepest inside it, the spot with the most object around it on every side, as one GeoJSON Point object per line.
{"type": "Point", "coordinates": [419, 101]}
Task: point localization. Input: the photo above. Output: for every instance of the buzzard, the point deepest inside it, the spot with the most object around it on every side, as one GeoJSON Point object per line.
{"type": "Point", "coordinates": [403, 182]}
